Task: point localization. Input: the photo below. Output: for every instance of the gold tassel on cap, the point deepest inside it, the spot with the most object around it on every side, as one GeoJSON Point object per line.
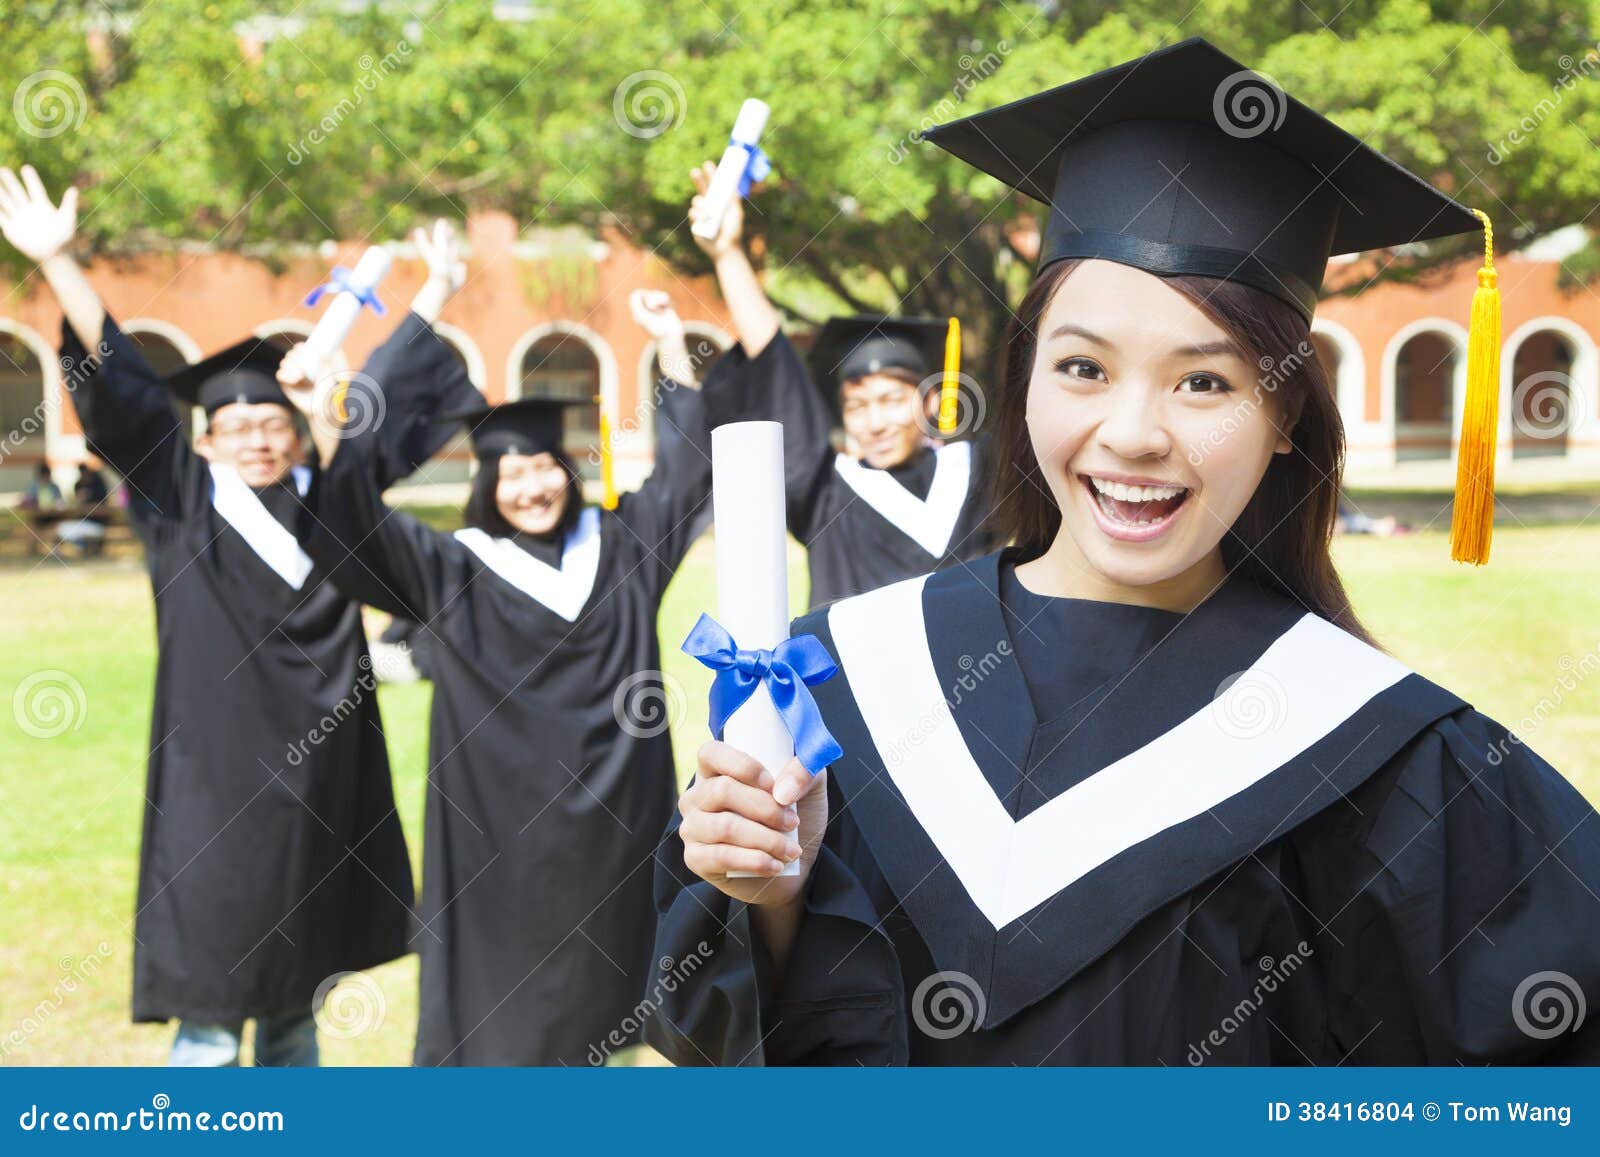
{"type": "Point", "coordinates": [608, 481]}
{"type": "Point", "coordinates": [950, 387]}
{"type": "Point", "coordinates": [1472, 523]}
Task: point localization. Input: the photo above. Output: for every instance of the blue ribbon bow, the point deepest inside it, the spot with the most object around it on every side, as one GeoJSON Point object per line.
{"type": "Point", "coordinates": [756, 166]}
{"type": "Point", "coordinates": [339, 282]}
{"type": "Point", "coordinates": [787, 670]}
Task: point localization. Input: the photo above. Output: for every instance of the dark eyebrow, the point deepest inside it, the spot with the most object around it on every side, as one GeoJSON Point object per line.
{"type": "Point", "coordinates": [1205, 349]}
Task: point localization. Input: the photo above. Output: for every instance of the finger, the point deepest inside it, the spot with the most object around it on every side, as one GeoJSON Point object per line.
{"type": "Point", "coordinates": [794, 782]}
{"type": "Point", "coordinates": [725, 793]}
{"type": "Point", "coordinates": [419, 238]}
{"type": "Point", "coordinates": [713, 861]}
{"type": "Point", "coordinates": [69, 202]}
{"type": "Point", "coordinates": [699, 179]}
{"type": "Point", "coordinates": [718, 758]}
{"type": "Point", "coordinates": [13, 189]}
{"type": "Point", "coordinates": [735, 831]}
{"type": "Point", "coordinates": [30, 178]}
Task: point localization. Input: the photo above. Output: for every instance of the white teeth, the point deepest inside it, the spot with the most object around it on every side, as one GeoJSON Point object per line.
{"type": "Point", "coordinates": [1125, 493]}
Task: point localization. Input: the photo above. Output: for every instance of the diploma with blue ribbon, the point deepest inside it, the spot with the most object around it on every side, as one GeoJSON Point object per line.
{"type": "Point", "coordinates": [742, 165]}
{"type": "Point", "coordinates": [786, 671]}
{"type": "Point", "coordinates": [761, 700]}
{"type": "Point", "coordinates": [348, 291]}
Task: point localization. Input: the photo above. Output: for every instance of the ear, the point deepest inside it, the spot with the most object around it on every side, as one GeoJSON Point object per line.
{"type": "Point", "coordinates": [205, 447]}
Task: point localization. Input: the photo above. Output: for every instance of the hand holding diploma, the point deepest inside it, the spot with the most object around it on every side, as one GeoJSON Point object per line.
{"type": "Point", "coordinates": [742, 165]}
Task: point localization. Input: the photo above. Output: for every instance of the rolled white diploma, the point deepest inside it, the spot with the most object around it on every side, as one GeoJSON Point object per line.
{"type": "Point", "coordinates": [724, 187]}
{"type": "Point", "coordinates": [747, 501]}
{"type": "Point", "coordinates": [340, 316]}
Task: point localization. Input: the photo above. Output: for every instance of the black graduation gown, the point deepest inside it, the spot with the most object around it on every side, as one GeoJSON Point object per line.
{"type": "Point", "coordinates": [862, 528]}
{"type": "Point", "coordinates": [272, 857]}
{"type": "Point", "coordinates": [551, 773]}
{"type": "Point", "coordinates": [1259, 841]}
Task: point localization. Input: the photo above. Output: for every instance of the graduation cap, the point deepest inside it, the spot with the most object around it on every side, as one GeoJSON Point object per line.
{"type": "Point", "coordinates": [525, 426]}
{"type": "Point", "coordinates": [847, 348]}
{"type": "Point", "coordinates": [1184, 161]}
{"type": "Point", "coordinates": [244, 372]}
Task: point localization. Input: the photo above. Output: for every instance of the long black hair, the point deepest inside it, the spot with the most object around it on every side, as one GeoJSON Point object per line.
{"type": "Point", "coordinates": [482, 510]}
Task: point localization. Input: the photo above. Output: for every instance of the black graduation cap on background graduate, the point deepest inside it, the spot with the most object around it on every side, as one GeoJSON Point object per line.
{"type": "Point", "coordinates": [1184, 161]}
{"type": "Point", "coordinates": [525, 426]}
{"type": "Point", "coordinates": [244, 372]}
{"type": "Point", "coordinates": [852, 347]}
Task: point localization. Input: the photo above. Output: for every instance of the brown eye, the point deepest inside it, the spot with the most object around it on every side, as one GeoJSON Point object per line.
{"type": "Point", "coordinates": [1080, 368]}
{"type": "Point", "coordinates": [1206, 384]}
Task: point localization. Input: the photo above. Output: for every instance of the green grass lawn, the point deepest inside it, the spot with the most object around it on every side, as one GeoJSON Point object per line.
{"type": "Point", "coordinates": [1506, 637]}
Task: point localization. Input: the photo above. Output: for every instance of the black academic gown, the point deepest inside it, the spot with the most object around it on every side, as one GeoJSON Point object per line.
{"type": "Point", "coordinates": [862, 528]}
{"type": "Point", "coordinates": [551, 773]}
{"type": "Point", "coordinates": [272, 858]}
{"type": "Point", "coordinates": [1256, 840]}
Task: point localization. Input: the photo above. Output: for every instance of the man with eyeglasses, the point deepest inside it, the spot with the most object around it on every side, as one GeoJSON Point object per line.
{"type": "Point", "coordinates": [272, 862]}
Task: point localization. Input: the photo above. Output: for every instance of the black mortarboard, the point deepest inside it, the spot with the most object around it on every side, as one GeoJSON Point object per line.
{"type": "Point", "coordinates": [1185, 161]}
{"type": "Point", "coordinates": [244, 372]}
{"type": "Point", "coordinates": [852, 347]}
{"type": "Point", "coordinates": [525, 426]}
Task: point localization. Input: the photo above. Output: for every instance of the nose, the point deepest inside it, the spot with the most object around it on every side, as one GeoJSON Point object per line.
{"type": "Point", "coordinates": [1133, 425]}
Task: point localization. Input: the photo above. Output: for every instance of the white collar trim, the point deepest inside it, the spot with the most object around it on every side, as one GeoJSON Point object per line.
{"type": "Point", "coordinates": [564, 591]}
{"type": "Point", "coordinates": [930, 522]}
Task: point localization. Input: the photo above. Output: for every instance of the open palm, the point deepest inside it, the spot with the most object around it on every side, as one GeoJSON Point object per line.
{"type": "Point", "coordinates": [30, 221]}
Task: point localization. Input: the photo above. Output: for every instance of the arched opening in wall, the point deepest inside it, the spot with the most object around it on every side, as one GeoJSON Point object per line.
{"type": "Point", "coordinates": [23, 403]}
{"type": "Point", "coordinates": [1328, 354]}
{"type": "Point", "coordinates": [1424, 379]}
{"type": "Point", "coordinates": [1542, 404]}
{"type": "Point", "coordinates": [564, 365]}
{"type": "Point", "coordinates": [165, 357]}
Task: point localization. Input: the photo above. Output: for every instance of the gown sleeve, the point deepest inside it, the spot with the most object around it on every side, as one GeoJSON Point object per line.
{"type": "Point", "coordinates": [130, 421]}
{"type": "Point", "coordinates": [668, 512]}
{"type": "Point", "coordinates": [774, 386]}
{"type": "Point", "coordinates": [416, 377]}
{"type": "Point", "coordinates": [840, 1000]}
{"type": "Point", "coordinates": [1462, 918]}
{"type": "Point", "coordinates": [375, 554]}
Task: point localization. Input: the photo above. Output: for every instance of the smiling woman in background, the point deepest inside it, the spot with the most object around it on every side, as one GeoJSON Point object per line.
{"type": "Point", "coordinates": [1140, 789]}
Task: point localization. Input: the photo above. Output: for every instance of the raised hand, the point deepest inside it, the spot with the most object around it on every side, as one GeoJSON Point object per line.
{"type": "Point", "coordinates": [730, 237]}
{"type": "Point", "coordinates": [31, 221]}
{"type": "Point", "coordinates": [441, 250]}
{"type": "Point", "coordinates": [652, 309]}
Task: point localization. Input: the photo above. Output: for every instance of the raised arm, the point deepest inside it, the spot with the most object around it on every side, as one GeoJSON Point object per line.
{"type": "Point", "coordinates": [127, 413]}
{"type": "Point", "coordinates": [755, 321]}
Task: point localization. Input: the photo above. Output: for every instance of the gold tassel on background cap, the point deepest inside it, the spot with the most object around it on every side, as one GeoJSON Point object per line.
{"type": "Point", "coordinates": [950, 387]}
{"type": "Point", "coordinates": [608, 481]}
{"type": "Point", "coordinates": [1472, 523]}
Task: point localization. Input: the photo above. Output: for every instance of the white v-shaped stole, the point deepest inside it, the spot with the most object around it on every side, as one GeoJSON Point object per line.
{"type": "Point", "coordinates": [1315, 675]}
{"type": "Point", "coordinates": [928, 522]}
{"type": "Point", "coordinates": [564, 591]}
{"type": "Point", "coordinates": [242, 509]}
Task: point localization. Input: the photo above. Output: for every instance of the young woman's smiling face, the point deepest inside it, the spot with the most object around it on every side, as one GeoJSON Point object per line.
{"type": "Point", "coordinates": [1150, 427]}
